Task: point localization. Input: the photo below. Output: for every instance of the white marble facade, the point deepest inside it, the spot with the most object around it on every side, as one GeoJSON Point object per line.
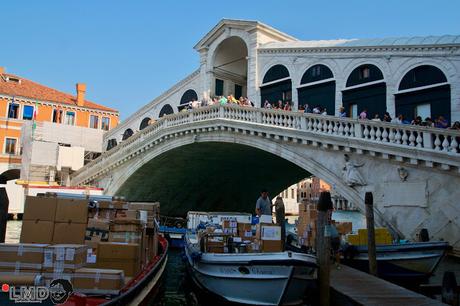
{"type": "Point", "coordinates": [265, 47]}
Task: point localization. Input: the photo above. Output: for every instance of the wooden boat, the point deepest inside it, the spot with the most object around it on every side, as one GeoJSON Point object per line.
{"type": "Point", "coordinates": [400, 262]}
{"type": "Point", "coordinates": [141, 290]}
{"type": "Point", "coordinates": [269, 278]}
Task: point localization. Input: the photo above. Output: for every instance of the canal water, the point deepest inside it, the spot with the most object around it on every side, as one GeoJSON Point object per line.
{"type": "Point", "coordinates": [177, 289]}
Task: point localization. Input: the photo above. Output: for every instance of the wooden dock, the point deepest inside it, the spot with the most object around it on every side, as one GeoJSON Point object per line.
{"type": "Point", "coordinates": [353, 287]}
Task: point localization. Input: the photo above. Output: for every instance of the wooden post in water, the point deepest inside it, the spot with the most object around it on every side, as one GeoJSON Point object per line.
{"type": "Point", "coordinates": [369, 201]}
{"type": "Point", "coordinates": [323, 245]}
{"type": "Point", "coordinates": [4, 203]}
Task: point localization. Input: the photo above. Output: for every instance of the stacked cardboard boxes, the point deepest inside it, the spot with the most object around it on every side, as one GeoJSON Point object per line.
{"type": "Point", "coordinates": [306, 224]}
{"type": "Point", "coordinates": [54, 220]}
{"type": "Point", "coordinates": [269, 237]}
{"type": "Point", "coordinates": [98, 281]}
{"type": "Point", "coordinates": [17, 258]}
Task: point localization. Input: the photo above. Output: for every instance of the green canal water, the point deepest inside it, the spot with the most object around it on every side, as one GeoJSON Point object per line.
{"type": "Point", "coordinates": [177, 290]}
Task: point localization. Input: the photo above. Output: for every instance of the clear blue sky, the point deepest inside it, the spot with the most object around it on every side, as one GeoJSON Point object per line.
{"type": "Point", "coordinates": [129, 52]}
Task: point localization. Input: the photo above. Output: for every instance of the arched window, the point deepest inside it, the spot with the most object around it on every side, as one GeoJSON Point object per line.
{"type": "Point", "coordinates": [370, 97]}
{"type": "Point", "coordinates": [364, 74]}
{"type": "Point", "coordinates": [189, 95]}
{"type": "Point", "coordinates": [128, 133]}
{"type": "Point", "coordinates": [320, 94]}
{"type": "Point", "coordinates": [276, 72]}
{"type": "Point", "coordinates": [418, 100]}
{"type": "Point", "coordinates": [111, 143]}
{"type": "Point", "coordinates": [144, 123]}
{"type": "Point", "coordinates": [166, 110]}
{"type": "Point", "coordinates": [279, 87]}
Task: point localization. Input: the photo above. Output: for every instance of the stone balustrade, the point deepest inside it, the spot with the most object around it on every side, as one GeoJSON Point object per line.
{"type": "Point", "coordinates": [432, 146]}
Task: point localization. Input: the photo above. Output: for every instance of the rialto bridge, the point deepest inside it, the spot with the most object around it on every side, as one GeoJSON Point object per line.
{"type": "Point", "coordinates": [218, 158]}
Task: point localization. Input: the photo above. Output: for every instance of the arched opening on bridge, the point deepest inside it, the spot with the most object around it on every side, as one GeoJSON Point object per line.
{"type": "Point", "coordinates": [276, 86]}
{"type": "Point", "coordinates": [210, 176]}
{"type": "Point", "coordinates": [366, 89]}
{"type": "Point", "coordinates": [144, 123]}
{"type": "Point", "coordinates": [424, 92]}
{"type": "Point", "coordinates": [8, 175]}
{"type": "Point", "coordinates": [188, 96]}
{"type": "Point", "coordinates": [166, 110]}
{"type": "Point", "coordinates": [317, 88]}
{"type": "Point", "coordinates": [128, 133]}
{"type": "Point", "coordinates": [111, 143]}
{"type": "Point", "coordinates": [230, 68]}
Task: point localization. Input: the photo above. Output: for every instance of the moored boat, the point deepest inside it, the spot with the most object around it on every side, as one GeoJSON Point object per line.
{"type": "Point", "coordinates": [237, 273]}
{"type": "Point", "coordinates": [400, 262]}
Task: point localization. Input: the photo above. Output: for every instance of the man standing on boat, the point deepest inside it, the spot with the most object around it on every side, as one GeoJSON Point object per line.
{"type": "Point", "coordinates": [280, 215]}
{"type": "Point", "coordinates": [263, 204]}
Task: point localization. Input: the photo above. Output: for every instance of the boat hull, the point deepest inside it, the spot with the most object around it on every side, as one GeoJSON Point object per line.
{"type": "Point", "coordinates": [402, 263]}
{"type": "Point", "coordinates": [254, 283]}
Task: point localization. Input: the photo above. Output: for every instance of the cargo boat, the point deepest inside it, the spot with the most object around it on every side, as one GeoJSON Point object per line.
{"type": "Point", "coordinates": [235, 274]}
{"type": "Point", "coordinates": [95, 250]}
{"type": "Point", "coordinates": [141, 290]}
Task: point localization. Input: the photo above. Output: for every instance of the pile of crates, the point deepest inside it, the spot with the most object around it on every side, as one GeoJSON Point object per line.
{"type": "Point", "coordinates": [97, 245]}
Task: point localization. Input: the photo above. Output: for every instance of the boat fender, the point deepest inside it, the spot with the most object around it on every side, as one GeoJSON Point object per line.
{"type": "Point", "coordinates": [423, 235]}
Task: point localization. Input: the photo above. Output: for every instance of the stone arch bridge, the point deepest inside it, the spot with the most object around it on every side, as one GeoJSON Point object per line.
{"type": "Point", "coordinates": [218, 158]}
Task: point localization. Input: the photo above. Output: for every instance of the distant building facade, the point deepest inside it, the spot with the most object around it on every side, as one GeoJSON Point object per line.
{"type": "Point", "coordinates": [21, 101]}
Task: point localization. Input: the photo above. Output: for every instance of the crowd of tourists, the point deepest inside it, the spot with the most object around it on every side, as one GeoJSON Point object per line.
{"type": "Point", "coordinates": [439, 122]}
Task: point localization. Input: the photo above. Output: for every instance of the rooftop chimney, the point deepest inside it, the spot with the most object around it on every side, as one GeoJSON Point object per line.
{"type": "Point", "coordinates": [81, 90]}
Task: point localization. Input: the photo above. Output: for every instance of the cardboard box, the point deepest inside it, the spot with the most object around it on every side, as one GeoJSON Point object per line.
{"type": "Point", "coordinates": [102, 224]}
{"type": "Point", "coordinates": [73, 233]}
{"type": "Point", "coordinates": [37, 231]}
{"type": "Point", "coordinates": [108, 214]}
{"type": "Point", "coordinates": [71, 210]}
{"type": "Point", "coordinates": [98, 281]}
{"type": "Point", "coordinates": [268, 232]}
{"type": "Point", "coordinates": [24, 252]}
{"type": "Point", "coordinates": [129, 267]}
{"type": "Point", "coordinates": [112, 205]}
{"type": "Point", "coordinates": [272, 246]}
{"type": "Point", "coordinates": [126, 225]}
{"type": "Point", "coordinates": [144, 206]}
{"type": "Point", "coordinates": [129, 237]}
{"type": "Point", "coordinates": [64, 257]}
{"type": "Point", "coordinates": [39, 208]}
{"type": "Point", "coordinates": [344, 228]}
{"type": "Point", "coordinates": [96, 235]}
{"type": "Point", "coordinates": [127, 214]}
{"type": "Point", "coordinates": [118, 250]}
{"type": "Point", "coordinates": [266, 219]}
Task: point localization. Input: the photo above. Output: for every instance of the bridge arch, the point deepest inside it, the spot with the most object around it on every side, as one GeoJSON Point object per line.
{"type": "Point", "coordinates": [144, 123]}
{"type": "Point", "coordinates": [318, 88]}
{"type": "Point", "coordinates": [166, 110]}
{"type": "Point", "coordinates": [127, 133]}
{"type": "Point", "coordinates": [276, 85]}
{"type": "Point", "coordinates": [365, 90]}
{"type": "Point", "coordinates": [309, 165]}
{"type": "Point", "coordinates": [424, 91]}
{"type": "Point", "coordinates": [230, 67]}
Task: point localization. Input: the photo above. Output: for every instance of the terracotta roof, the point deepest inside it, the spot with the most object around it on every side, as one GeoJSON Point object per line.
{"type": "Point", "coordinates": [29, 89]}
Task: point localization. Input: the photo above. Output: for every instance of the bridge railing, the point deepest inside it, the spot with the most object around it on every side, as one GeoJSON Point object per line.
{"type": "Point", "coordinates": [410, 136]}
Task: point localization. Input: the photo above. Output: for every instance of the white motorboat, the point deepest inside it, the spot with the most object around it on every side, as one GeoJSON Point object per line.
{"type": "Point", "coordinates": [272, 278]}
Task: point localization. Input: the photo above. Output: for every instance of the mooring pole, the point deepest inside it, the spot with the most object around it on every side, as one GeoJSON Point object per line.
{"type": "Point", "coordinates": [323, 245]}
{"type": "Point", "coordinates": [369, 201]}
{"type": "Point", "coordinates": [4, 203]}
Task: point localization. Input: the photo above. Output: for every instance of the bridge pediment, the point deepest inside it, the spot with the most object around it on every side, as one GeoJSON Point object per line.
{"type": "Point", "coordinates": [249, 26]}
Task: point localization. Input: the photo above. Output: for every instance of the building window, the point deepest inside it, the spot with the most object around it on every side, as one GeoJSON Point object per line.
{"type": "Point", "coordinates": [219, 87]}
{"type": "Point", "coordinates": [70, 118]}
{"type": "Point", "coordinates": [93, 122]}
{"type": "Point", "coordinates": [57, 115]}
{"type": "Point", "coordinates": [364, 73]}
{"type": "Point", "coordinates": [105, 123]}
{"type": "Point", "coordinates": [28, 112]}
{"type": "Point", "coordinates": [13, 111]}
{"type": "Point", "coordinates": [292, 193]}
{"type": "Point", "coordinates": [10, 146]}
